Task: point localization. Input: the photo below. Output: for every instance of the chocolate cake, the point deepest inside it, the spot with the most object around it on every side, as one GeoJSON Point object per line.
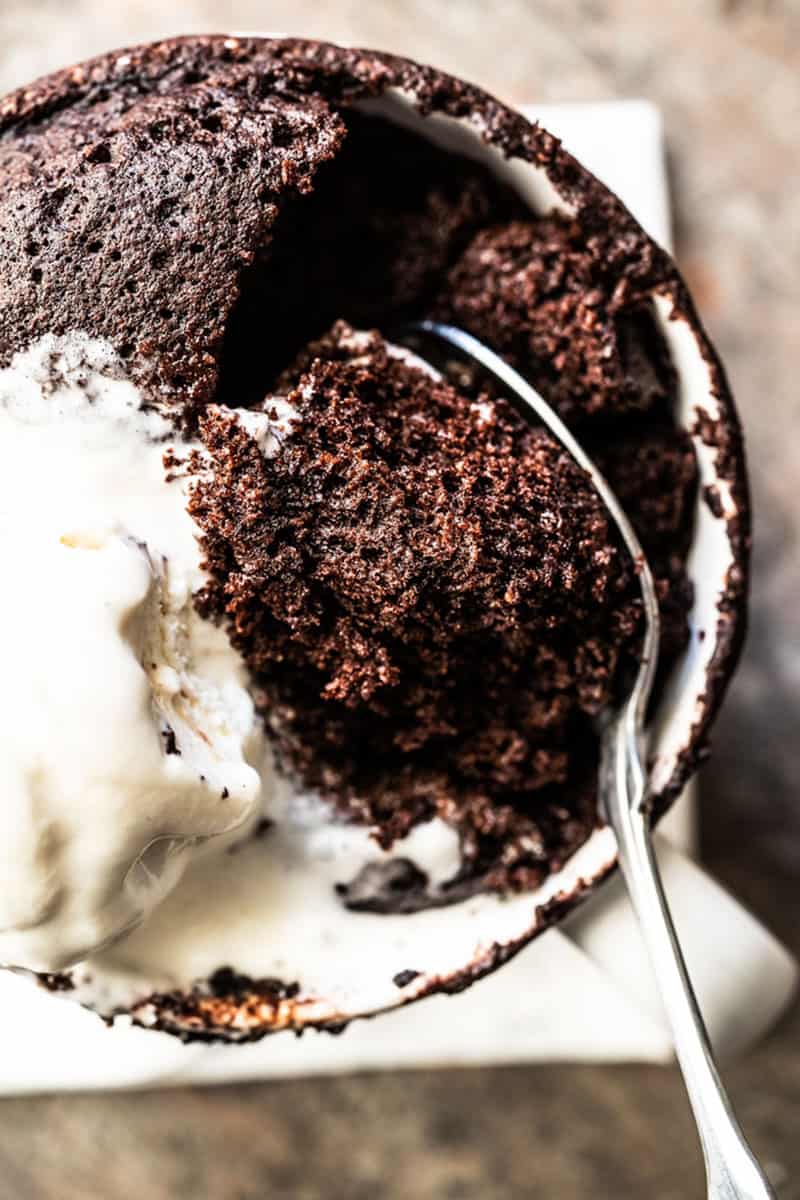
{"type": "Point", "coordinates": [429, 596]}
{"type": "Point", "coordinates": [430, 599]}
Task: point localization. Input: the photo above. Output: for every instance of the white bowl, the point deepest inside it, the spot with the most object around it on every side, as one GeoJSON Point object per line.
{"type": "Point", "coordinates": [275, 914]}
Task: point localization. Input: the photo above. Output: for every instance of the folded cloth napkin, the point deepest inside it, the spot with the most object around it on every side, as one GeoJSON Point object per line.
{"type": "Point", "coordinates": [582, 992]}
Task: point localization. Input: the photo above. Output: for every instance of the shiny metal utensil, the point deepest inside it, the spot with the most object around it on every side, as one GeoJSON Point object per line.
{"type": "Point", "coordinates": [731, 1169]}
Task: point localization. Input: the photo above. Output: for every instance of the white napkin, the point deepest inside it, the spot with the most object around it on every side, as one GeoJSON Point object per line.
{"type": "Point", "coordinates": [583, 992]}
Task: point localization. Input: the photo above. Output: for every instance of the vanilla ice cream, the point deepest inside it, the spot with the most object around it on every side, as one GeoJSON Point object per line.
{"type": "Point", "coordinates": [129, 738]}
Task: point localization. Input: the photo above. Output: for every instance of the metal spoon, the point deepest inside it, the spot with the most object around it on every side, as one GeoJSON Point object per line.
{"type": "Point", "coordinates": [732, 1172]}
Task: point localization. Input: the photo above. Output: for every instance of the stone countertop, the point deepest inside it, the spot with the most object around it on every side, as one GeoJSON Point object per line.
{"type": "Point", "coordinates": [726, 74]}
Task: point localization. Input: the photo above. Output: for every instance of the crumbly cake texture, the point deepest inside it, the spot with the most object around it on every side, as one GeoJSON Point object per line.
{"type": "Point", "coordinates": [429, 596]}
{"type": "Point", "coordinates": [559, 305]}
{"type": "Point", "coordinates": [210, 205]}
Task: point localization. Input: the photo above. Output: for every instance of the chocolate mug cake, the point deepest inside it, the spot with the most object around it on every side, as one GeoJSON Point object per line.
{"type": "Point", "coordinates": [346, 625]}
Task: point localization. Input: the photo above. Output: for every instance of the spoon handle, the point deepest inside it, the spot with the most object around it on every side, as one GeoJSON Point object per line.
{"type": "Point", "coordinates": [731, 1169]}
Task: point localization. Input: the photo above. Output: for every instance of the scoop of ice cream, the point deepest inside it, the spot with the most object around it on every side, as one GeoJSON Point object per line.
{"type": "Point", "coordinates": [128, 737]}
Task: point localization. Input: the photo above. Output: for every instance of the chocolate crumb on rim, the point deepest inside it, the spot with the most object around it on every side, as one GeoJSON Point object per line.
{"type": "Point", "coordinates": [157, 198]}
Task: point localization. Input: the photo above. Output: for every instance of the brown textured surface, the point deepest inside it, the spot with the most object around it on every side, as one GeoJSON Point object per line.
{"type": "Point", "coordinates": [157, 192]}
{"type": "Point", "coordinates": [431, 601]}
{"type": "Point", "coordinates": [726, 75]}
{"type": "Point", "coordinates": [554, 297]}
